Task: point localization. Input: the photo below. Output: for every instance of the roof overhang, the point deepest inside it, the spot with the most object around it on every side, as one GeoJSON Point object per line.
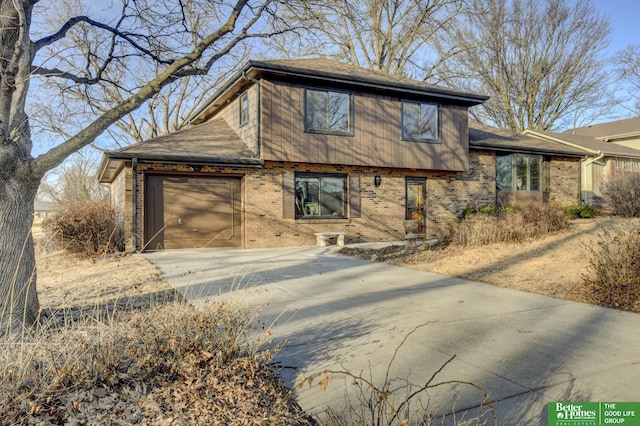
{"type": "Point", "coordinates": [252, 70]}
{"type": "Point", "coordinates": [112, 163]}
{"type": "Point", "coordinates": [521, 150]}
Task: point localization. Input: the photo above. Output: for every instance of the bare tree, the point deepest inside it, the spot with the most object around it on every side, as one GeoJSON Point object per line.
{"type": "Point", "coordinates": [150, 38]}
{"type": "Point", "coordinates": [628, 68]}
{"type": "Point", "coordinates": [540, 61]}
{"type": "Point", "coordinates": [393, 36]}
{"type": "Point", "coordinates": [75, 180]}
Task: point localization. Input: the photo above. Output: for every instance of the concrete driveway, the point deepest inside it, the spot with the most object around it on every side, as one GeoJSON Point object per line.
{"type": "Point", "coordinates": [333, 312]}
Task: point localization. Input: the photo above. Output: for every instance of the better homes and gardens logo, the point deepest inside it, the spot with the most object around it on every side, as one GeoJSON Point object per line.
{"type": "Point", "coordinates": [593, 413]}
{"type": "Point", "coordinates": [570, 413]}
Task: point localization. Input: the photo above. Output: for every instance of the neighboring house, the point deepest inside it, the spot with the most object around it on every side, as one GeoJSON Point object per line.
{"type": "Point", "coordinates": [289, 148]}
{"type": "Point", "coordinates": [43, 209]}
{"type": "Point", "coordinates": [622, 132]}
{"type": "Point", "coordinates": [603, 160]}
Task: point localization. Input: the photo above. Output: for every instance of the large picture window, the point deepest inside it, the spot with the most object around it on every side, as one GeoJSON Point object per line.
{"type": "Point", "coordinates": [328, 111]}
{"type": "Point", "coordinates": [321, 196]}
{"type": "Point", "coordinates": [420, 121]}
{"type": "Point", "coordinates": [519, 172]}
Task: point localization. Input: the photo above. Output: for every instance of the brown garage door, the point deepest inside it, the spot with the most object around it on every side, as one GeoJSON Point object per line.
{"type": "Point", "coordinates": [191, 212]}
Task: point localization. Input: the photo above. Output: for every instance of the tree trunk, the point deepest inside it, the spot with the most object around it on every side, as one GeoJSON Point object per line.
{"type": "Point", "coordinates": [19, 304]}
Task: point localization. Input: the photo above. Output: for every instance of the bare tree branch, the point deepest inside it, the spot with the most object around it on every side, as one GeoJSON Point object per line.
{"type": "Point", "coordinates": [541, 63]}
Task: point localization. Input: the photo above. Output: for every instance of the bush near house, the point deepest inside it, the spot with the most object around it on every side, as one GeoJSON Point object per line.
{"type": "Point", "coordinates": [508, 224]}
{"type": "Point", "coordinates": [580, 211]}
{"type": "Point", "coordinates": [86, 229]}
{"type": "Point", "coordinates": [621, 195]}
{"type": "Point", "coordinates": [613, 276]}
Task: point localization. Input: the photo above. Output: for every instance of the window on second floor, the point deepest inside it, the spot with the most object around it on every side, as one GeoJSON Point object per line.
{"type": "Point", "coordinates": [321, 196]}
{"type": "Point", "coordinates": [420, 121]}
{"type": "Point", "coordinates": [328, 111]}
{"type": "Point", "coordinates": [519, 172]}
{"type": "Point", "coordinates": [244, 108]}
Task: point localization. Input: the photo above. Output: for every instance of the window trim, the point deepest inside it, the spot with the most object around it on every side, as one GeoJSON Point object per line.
{"type": "Point", "coordinates": [514, 167]}
{"type": "Point", "coordinates": [438, 138]}
{"type": "Point", "coordinates": [350, 124]}
{"type": "Point", "coordinates": [243, 97]}
{"type": "Point", "coordinates": [345, 200]}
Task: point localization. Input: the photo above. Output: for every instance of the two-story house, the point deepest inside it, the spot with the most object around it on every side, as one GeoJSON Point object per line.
{"type": "Point", "coordinates": [289, 148]}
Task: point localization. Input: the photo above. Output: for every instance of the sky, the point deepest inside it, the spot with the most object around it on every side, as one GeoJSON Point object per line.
{"type": "Point", "coordinates": [625, 21]}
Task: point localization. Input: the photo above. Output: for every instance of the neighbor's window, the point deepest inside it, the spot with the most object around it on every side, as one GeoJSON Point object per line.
{"type": "Point", "coordinates": [327, 111]}
{"type": "Point", "coordinates": [519, 173]}
{"type": "Point", "coordinates": [321, 196]}
{"type": "Point", "coordinates": [244, 109]}
{"type": "Point", "coordinates": [420, 121]}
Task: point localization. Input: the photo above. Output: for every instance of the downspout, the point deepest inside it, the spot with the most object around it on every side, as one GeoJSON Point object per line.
{"type": "Point", "coordinates": [134, 203]}
{"type": "Point", "coordinates": [258, 118]}
{"type": "Point", "coordinates": [583, 164]}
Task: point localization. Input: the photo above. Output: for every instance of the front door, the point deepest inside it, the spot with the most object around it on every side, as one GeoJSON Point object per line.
{"type": "Point", "coordinates": [416, 207]}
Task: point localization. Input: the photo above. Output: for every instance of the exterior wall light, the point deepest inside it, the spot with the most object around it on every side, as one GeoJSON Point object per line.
{"type": "Point", "coordinates": [377, 181]}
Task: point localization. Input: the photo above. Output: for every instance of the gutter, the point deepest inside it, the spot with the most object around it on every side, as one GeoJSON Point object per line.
{"type": "Point", "coordinates": [594, 159]}
{"type": "Point", "coordinates": [523, 151]}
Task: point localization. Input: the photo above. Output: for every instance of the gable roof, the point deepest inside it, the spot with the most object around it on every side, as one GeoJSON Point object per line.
{"type": "Point", "coordinates": [329, 71]}
{"type": "Point", "coordinates": [611, 130]}
{"type": "Point", "coordinates": [210, 143]}
{"type": "Point", "coordinates": [485, 137]}
{"type": "Point", "coordinates": [589, 144]}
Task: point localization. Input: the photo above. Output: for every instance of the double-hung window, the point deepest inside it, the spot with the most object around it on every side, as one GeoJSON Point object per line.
{"type": "Point", "coordinates": [420, 121]}
{"type": "Point", "coordinates": [320, 196]}
{"type": "Point", "coordinates": [328, 111]}
{"type": "Point", "coordinates": [518, 172]}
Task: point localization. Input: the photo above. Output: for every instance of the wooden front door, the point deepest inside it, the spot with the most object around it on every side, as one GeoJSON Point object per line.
{"type": "Point", "coordinates": [416, 189]}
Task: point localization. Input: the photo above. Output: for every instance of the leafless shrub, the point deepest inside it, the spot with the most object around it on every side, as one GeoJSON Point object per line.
{"type": "Point", "coordinates": [86, 229]}
{"type": "Point", "coordinates": [172, 364]}
{"type": "Point", "coordinates": [622, 195]}
{"type": "Point", "coordinates": [512, 226]}
{"type": "Point", "coordinates": [613, 275]}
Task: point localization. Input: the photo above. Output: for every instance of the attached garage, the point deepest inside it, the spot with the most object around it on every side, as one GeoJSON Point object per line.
{"type": "Point", "coordinates": [192, 212]}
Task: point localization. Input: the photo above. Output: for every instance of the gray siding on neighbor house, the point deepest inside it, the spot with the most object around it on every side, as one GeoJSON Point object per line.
{"type": "Point", "coordinates": [376, 140]}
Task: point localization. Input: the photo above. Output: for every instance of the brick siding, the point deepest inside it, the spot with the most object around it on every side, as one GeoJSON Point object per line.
{"type": "Point", "coordinates": [382, 208]}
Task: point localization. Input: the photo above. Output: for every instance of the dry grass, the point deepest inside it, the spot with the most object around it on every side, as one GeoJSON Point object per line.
{"type": "Point", "coordinates": [511, 227]}
{"type": "Point", "coordinates": [613, 276]}
{"type": "Point", "coordinates": [131, 357]}
{"type": "Point", "coordinates": [558, 264]}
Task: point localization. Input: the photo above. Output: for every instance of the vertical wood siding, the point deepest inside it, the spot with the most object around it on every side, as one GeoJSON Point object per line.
{"type": "Point", "coordinates": [377, 135]}
{"type": "Point", "coordinates": [231, 114]}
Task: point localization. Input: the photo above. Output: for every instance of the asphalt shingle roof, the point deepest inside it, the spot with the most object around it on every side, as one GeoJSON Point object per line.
{"type": "Point", "coordinates": [613, 128]}
{"type": "Point", "coordinates": [485, 137]}
{"type": "Point", "coordinates": [210, 142]}
{"type": "Point", "coordinates": [593, 145]}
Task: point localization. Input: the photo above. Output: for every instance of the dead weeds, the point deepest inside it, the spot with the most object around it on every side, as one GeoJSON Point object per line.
{"type": "Point", "coordinates": [554, 265]}
{"type": "Point", "coordinates": [135, 357]}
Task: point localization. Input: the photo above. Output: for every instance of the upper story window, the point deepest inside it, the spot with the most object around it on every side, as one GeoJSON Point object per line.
{"type": "Point", "coordinates": [244, 108]}
{"type": "Point", "coordinates": [518, 172]}
{"type": "Point", "coordinates": [420, 121]}
{"type": "Point", "coordinates": [328, 111]}
{"type": "Point", "coordinates": [321, 196]}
